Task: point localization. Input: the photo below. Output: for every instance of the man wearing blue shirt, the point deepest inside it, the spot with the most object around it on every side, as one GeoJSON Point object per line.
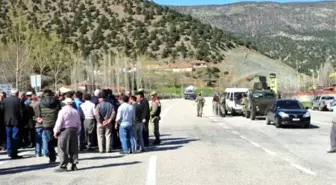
{"type": "Point", "coordinates": [78, 100]}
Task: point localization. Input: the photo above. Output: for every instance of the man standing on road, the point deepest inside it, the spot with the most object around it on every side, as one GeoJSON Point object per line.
{"type": "Point", "coordinates": [67, 128]}
{"type": "Point", "coordinates": [78, 102]}
{"type": "Point", "coordinates": [333, 133]}
{"type": "Point", "coordinates": [243, 102]}
{"type": "Point", "coordinates": [104, 115]}
{"type": "Point", "coordinates": [145, 115]}
{"type": "Point", "coordinates": [13, 110]}
{"type": "Point", "coordinates": [126, 119]}
{"type": "Point", "coordinates": [222, 104]}
{"type": "Point", "coordinates": [200, 104]}
{"type": "Point", "coordinates": [155, 111]}
{"type": "Point", "coordinates": [88, 109]}
{"type": "Point", "coordinates": [29, 135]}
{"type": "Point", "coordinates": [215, 101]}
{"type": "Point", "coordinates": [138, 126]}
{"type": "Point", "coordinates": [49, 107]}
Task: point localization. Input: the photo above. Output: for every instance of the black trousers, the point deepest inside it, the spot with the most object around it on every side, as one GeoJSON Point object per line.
{"type": "Point", "coordinates": [145, 133]}
{"type": "Point", "coordinates": [67, 147]}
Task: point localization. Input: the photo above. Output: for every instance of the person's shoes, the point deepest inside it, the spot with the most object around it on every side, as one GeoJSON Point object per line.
{"type": "Point", "coordinates": [52, 161]}
{"type": "Point", "coordinates": [331, 151]}
{"type": "Point", "coordinates": [61, 169]}
{"type": "Point", "coordinates": [74, 167]}
{"type": "Point", "coordinates": [38, 155]}
{"type": "Point", "coordinates": [16, 157]}
{"type": "Point", "coordinates": [156, 142]}
{"type": "Point", "coordinates": [123, 153]}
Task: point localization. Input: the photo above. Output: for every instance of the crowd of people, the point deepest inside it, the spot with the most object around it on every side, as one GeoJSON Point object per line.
{"type": "Point", "coordinates": [77, 121]}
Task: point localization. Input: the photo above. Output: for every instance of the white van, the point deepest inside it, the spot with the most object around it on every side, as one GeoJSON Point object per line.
{"type": "Point", "coordinates": [233, 99]}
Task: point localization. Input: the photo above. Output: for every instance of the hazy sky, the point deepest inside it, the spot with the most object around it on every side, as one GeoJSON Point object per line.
{"type": "Point", "coordinates": [209, 2]}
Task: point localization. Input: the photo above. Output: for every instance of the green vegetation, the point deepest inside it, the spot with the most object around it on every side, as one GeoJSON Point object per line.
{"type": "Point", "coordinates": [133, 27]}
{"type": "Point", "coordinates": [276, 30]}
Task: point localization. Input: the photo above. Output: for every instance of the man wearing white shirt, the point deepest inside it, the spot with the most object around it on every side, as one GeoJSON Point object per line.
{"type": "Point", "coordinates": [88, 109]}
{"type": "Point", "coordinates": [126, 120]}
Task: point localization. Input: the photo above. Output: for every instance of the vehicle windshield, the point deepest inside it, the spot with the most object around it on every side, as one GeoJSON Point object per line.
{"type": "Point", "coordinates": [189, 91]}
{"type": "Point", "coordinates": [289, 105]}
{"type": "Point", "coordinates": [238, 95]}
{"type": "Point", "coordinates": [263, 95]}
{"type": "Point", "coordinates": [327, 98]}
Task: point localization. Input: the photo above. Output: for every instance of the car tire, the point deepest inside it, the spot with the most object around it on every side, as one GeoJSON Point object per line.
{"type": "Point", "coordinates": [268, 122]}
{"type": "Point", "coordinates": [321, 108]}
{"type": "Point", "coordinates": [233, 112]}
{"type": "Point", "coordinates": [253, 115]}
{"type": "Point", "coordinates": [307, 125]}
{"type": "Point", "coordinates": [277, 123]}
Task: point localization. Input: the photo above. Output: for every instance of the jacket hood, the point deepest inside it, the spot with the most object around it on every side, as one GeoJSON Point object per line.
{"type": "Point", "coordinates": [49, 101]}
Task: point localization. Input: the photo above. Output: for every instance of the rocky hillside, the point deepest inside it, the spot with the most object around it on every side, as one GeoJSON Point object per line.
{"type": "Point", "coordinates": [300, 34]}
{"type": "Point", "coordinates": [133, 26]}
{"type": "Point", "coordinates": [138, 27]}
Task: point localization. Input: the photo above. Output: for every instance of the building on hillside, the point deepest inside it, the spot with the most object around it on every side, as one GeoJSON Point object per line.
{"type": "Point", "coordinates": [199, 64]}
{"type": "Point", "coordinates": [180, 68]}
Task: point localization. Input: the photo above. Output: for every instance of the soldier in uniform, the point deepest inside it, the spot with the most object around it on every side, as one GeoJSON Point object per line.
{"type": "Point", "coordinates": [244, 102]}
{"type": "Point", "coordinates": [215, 101]}
{"type": "Point", "coordinates": [222, 104]}
{"type": "Point", "coordinates": [200, 104]}
{"type": "Point", "coordinates": [155, 110]}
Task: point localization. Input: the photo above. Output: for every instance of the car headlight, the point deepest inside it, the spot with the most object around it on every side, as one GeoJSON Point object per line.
{"type": "Point", "coordinates": [307, 115]}
{"type": "Point", "coordinates": [284, 115]}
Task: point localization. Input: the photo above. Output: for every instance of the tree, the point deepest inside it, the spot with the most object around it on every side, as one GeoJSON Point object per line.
{"type": "Point", "coordinates": [60, 61]}
{"type": "Point", "coordinates": [18, 47]}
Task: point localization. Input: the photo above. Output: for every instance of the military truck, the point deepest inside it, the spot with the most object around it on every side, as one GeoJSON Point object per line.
{"type": "Point", "coordinates": [257, 102]}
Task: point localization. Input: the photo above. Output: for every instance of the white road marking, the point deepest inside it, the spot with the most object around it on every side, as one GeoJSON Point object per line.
{"type": "Point", "coordinates": [268, 151]}
{"type": "Point", "coordinates": [27, 153]}
{"type": "Point", "coordinates": [243, 137]}
{"type": "Point", "coordinates": [151, 174]}
{"type": "Point", "coordinates": [255, 144]}
{"type": "Point", "coordinates": [320, 123]}
{"type": "Point", "coordinates": [235, 132]}
{"type": "Point", "coordinates": [2, 162]}
{"type": "Point", "coordinates": [303, 169]}
{"type": "Point", "coordinates": [299, 167]}
{"type": "Point", "coordinates": [166, 110]}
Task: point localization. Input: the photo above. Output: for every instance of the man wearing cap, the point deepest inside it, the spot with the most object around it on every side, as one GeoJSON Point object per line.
{"type": "Point", "coordinates": [94, 98]}
{"type": "Point", "coordinates": [13, 109]}
{"type": "Point", "coordinates": [145, 115]}
{"type": "Point", "coordinates": [49, 107]}
{"type": "Point", "coordinates": [155, 111]}
{"type": "Point", "coordinates": [67, 128]}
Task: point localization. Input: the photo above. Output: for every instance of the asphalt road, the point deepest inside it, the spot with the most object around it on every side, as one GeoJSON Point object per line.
{"type": "Point", "coordinates": [197, 151]}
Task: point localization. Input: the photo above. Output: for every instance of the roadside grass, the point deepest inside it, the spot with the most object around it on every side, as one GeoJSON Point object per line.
{"type": "Point", "coordinates": [307, 104]}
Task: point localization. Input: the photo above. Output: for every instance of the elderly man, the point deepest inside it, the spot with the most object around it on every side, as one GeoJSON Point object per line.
{"type": "Point", "coordinates": [13, 110]}
{"type": "Point", "coordinates": [155, 111]}
{"type": "Point", "coordinates": [67, 128]}
{"type": "Point", "coordinates": [126, 119]}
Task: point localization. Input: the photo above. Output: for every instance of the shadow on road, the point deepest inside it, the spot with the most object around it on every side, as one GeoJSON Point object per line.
{"type": "Point", "coordinates": [312, 126]}
{"type": "Point", "coordinates": [20, 169]}
{"type": "Point", "coordinates": [178, 142]}
{"type": "Point", "coordinates": [165, 142]}
{"type": "Point", "coordinates": [109, 165]}
{"type": "Point", "coordinates": [101, 157]}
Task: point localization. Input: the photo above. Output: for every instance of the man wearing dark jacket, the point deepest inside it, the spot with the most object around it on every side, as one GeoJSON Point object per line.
{"type": "Point", "coordinates": [49, 107]}
{"type": "Point", "coordinates": [13, 110]}
{"type": "Point", "coordinates": [145, 116]}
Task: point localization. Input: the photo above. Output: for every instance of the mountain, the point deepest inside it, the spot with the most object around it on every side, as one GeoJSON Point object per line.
{"type": "Point", "coordinates": [302, 35]}
{"type": "Point", "coordinates": [137, 28]}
